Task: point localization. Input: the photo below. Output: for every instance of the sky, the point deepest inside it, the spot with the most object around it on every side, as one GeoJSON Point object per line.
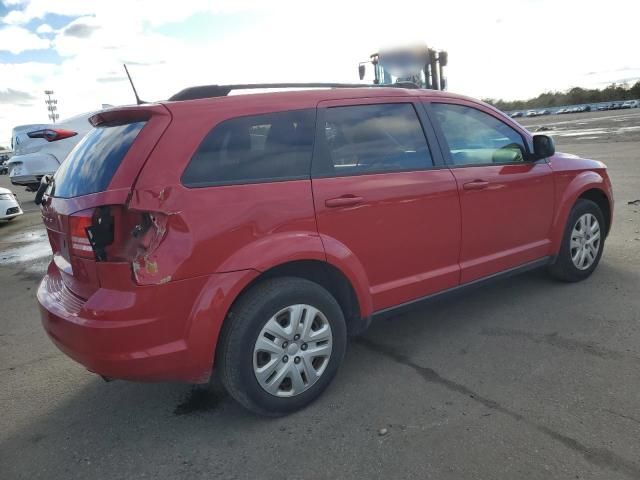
{"type": "Point", "coordinates": [510, 49]}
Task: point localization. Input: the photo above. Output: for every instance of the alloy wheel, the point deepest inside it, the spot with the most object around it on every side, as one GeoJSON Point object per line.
{"type": "Point", "coordinates": [585, 241]}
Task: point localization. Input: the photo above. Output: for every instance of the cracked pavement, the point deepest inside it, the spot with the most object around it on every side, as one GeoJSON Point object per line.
{"type": "Point", "coordinates": [525, 378]}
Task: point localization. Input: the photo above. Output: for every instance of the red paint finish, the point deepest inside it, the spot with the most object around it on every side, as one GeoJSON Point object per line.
{"type": "Point", "coordinates": [394, 236]}
{"type": "Point", "coordinates": [159, 332]}
{"type": "Point", "coordinates": [405, 230]}
{"type": "Point", "coordinates": [225, 229]}
{"type": "Point", "coordinates": [506, 222]}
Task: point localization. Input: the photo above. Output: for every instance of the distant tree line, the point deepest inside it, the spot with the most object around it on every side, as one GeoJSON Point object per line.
{"type": "Point", "coordinates": [574, 96]}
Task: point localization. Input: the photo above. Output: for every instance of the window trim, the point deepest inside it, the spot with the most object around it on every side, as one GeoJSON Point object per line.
{"type": "Point", "coordinates": [318, 165]}
{"type": "Point", "coordinates": [444, 145]}
{"type": "Point", "coordinates": [244, 181]}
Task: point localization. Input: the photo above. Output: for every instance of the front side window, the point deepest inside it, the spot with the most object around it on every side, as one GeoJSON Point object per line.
{"type": "Point", "coordinates": [475, 137]}
{"type": "Point", "coordinates": [253, 149]}
{"type": "Point", "coordinates": [371, 139]}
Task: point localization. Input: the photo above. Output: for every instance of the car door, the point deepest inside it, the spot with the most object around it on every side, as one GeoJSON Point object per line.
{"type": "Point", "coordinates": [381, 202]}
{"type": "Point", "coordinates": [506, 200]}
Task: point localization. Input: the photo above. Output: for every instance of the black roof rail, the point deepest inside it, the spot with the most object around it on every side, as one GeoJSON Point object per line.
{"type": "Point", "coordinates": [208, 91]}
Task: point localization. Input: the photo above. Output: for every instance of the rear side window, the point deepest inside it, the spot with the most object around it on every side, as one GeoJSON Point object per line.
{"type": "Point", "coordinates": [253, 149]}
{"type": "Point", "coordinates": [372, 138]}
{"type": "Point", "coordinates": [90, 166]}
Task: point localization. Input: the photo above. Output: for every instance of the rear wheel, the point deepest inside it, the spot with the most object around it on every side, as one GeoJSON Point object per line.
{"type": "Point", "coordinates": [582, 243]}
{"type": "Point", "coordinates": [281, 346]}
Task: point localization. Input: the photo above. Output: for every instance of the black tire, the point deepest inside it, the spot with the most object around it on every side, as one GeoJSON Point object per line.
{"type": "Point", "coordinates": [563, 268]}
{"type": "Point", "coordinates": [245, 322]}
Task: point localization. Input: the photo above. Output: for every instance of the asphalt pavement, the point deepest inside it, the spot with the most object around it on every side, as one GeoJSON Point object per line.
{"type": "Point", "coordinates": [525, 379]}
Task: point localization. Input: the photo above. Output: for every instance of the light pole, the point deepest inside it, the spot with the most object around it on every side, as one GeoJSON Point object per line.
{"type": "Point", "coordinates": [52, 106]}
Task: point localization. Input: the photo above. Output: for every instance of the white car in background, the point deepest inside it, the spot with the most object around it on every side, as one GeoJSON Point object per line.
{"type": "Point", "coordinates": [39, 149]}
{"type": "Point", "coordinates": [9, 206]}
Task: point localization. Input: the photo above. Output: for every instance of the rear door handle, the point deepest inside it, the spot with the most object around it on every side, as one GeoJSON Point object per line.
{"type": "Point", "coordinates": [476, 185]}
{"type": "Point", "coordinates": [343, 201]}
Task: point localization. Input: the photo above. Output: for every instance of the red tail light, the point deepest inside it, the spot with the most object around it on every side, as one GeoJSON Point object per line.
{"type": "Point", "coordinates": [78, 225]}
{"type": "Point", "coordinates": [52, 134]}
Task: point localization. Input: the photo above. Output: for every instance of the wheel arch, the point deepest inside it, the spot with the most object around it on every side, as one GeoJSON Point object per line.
{"type": "Point", "coordinates": [600, 198]}
{"type": "Point", "coordinates": [328, 276]}
{"type": "Point", "coordinates": [588, 184]}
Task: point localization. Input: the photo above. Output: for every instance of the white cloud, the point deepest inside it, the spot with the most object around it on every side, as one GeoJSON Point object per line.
{"type": "Point", "coordinates": [44, 28]}
{"type": "Point", "coordinates": [153, 12]}
{"type": "Point", "coordinates": [39, 8]}
{"type": "Point", "coordinates": [17, 40]}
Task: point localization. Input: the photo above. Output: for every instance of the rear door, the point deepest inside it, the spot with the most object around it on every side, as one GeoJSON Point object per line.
{"type": "Point", "coordinates": [507, 201]}
{"type": "Point", "coordinates": [379, 194]}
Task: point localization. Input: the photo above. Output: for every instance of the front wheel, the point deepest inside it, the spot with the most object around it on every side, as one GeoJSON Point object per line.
{"type": "Point", "coordinates": [582, 243]}
{"type": "Point", "coordinates": [281, 345]}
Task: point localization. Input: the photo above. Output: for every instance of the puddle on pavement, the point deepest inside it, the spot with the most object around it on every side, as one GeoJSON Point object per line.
{"type": "Point", "coordinates": [25, 253]}
{"type": "Point", "coordinates": [30, 249]}
{"type": "Point", "coordinates": [579, 133]}
{"type": "Point", "coordinates": [593, 132]}
{"type": "Point", "coordinates": [31, 235]}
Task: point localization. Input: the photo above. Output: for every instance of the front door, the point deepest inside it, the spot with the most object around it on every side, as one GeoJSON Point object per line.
{"type": "Point", "coordinates": [379, 199]}
{"type": "Point", "coordinates": [506, 200]}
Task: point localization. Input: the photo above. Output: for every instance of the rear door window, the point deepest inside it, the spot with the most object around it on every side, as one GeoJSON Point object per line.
{"type": "Point", "coordinates": [374, 138]}
{"type": "Point", "coordinates": [90, 166]}
{"type": "Point", "coordinates": [253, 149]}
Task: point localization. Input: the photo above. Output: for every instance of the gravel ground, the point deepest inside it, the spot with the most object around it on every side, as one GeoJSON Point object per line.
{"type": "Point", "coordinates": [526, 378]}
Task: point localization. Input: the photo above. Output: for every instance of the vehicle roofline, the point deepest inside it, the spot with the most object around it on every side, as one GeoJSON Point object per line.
{"type": "Point", "coordinates": [321, 94]}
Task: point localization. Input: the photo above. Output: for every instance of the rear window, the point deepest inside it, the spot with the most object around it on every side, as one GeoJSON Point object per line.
{"type": "Point", "coordinates": [253, 149]}
{"type": "Point", "coordinates": [90, 166]}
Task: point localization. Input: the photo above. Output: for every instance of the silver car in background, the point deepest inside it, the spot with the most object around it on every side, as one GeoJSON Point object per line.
{"type": "Point", "coordinates": [39, 149]}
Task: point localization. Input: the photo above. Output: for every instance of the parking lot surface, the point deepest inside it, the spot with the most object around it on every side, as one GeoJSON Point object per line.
{"type": "Point", "coordinates": [526, 378]}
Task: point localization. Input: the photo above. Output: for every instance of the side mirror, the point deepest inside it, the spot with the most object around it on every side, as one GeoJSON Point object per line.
{"type": "Point", "coordinates": [361, 71]}
{"type": "Point", "coordinates": [543, 146]}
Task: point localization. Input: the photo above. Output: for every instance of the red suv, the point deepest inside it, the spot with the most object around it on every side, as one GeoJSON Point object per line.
{"type": "Point", "coordinates": [254, 233]}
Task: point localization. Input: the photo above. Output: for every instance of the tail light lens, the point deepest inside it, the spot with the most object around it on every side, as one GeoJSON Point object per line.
{"type": "Point", "coordinates": [78, 225]}
{"type": "Point", "coordinates": [52, 134]}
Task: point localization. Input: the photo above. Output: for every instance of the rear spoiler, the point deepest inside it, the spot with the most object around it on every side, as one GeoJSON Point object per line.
{"type": "Point", "coordinates": [129, 114]}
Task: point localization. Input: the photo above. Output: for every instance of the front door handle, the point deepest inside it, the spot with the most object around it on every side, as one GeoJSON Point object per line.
{"type": "Point", "coordinates": [476, 185]}
{"type": "Point", "coordinates": [343, 201]}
